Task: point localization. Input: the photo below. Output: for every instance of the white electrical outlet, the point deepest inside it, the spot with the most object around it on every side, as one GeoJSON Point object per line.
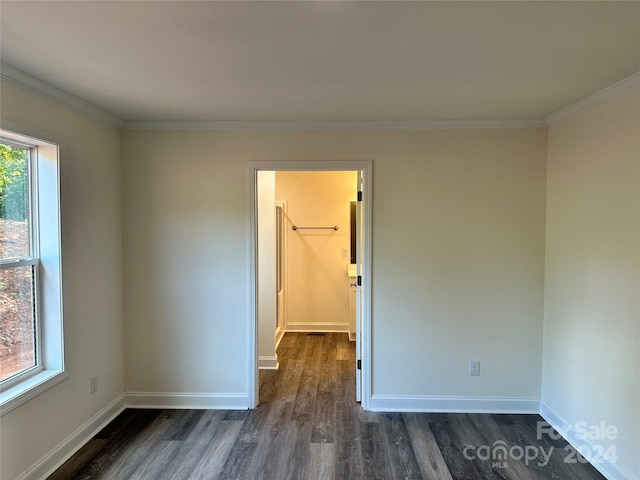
{"type": "Point", "coordinates": [474, 368]}
{"type": "Point", "coordinates": [93, 385]}
{"type": "Point", "coordinates": [345, 253]}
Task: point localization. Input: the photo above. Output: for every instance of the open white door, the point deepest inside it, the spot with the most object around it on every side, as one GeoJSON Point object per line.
{"type": "Point", "coordinates": [358, 283]}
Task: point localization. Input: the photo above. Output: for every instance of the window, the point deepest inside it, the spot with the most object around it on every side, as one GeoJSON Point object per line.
{"type": "Point", "coordinates": [19, 264]}
{"type": "Point", "coordinates": [31, 353]}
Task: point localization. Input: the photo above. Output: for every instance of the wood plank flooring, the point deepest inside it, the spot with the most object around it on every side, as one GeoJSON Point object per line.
{"type": "Point", "coordinates": [308, 426]}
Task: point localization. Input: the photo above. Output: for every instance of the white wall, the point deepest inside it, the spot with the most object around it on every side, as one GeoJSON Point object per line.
{"type": "Point", "coordinates": [592, 319]}
{"type": "Point", "coordinates": [186, 253]}
{"type": "Point", "coordinates": [317, 285]}
{"type": "Point", "coordinates": [92, 282]}
{"type": "Point", "coordinates": [458, 257]}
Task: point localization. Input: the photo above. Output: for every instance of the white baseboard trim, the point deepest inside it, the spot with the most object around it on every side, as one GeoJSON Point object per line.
{"type": "Point", "coordinates": [352, 336]}
{"type": "Point", "coordinates": [268, 362]}
{"type": "Point", "coordinates": [452, 404]}
{"type": "Point", "coordinates": [209, 401]}
{"type": "Point", "coordinates": [70, 445]}
{"type": "Point", "coordinates": [610, 470]}
{"type": "Point", "coordinates": [317, 327]}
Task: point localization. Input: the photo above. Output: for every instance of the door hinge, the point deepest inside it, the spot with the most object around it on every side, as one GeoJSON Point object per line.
{"type": "Point", "coordinates": [359, 365]}
{"type": "Point", "coordinates": [359, 281]}
{"type": "Point", "coordinates": [359, 196]}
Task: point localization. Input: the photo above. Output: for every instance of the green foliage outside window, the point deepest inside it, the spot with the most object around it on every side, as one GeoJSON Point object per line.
{"type": "Point", "coordinates": [13, 183]}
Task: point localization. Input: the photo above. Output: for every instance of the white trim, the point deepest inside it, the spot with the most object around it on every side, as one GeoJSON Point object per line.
{"type": "Point", "coordinates": [268, 362]}
{"type": "Point", "coordinates": [331, 126]}
{"type": "Point", "coordinates": [25, 81]}
{"type": "Point", "coordinates": [607, 94]}
{"type": "Point", "coordinates": [206, 401]}
{"type": "Point", "coordinates": [348, 165]}
{"type": "Point", "coordinates": [367, 277]}
{"type": "Point", "coordinates": [318, 327]}
{"type": "Point", "coordinates": [610, 470]}
{"type": "Point", "coordinates": [311, 165]}
{"type": "Point", "coordinates": [26, 135]}
{"type": "Point", "coordinates": [49, 306]}
{"type": "Point", "coordinates": [279, 335]}
{"type": "Point", "coordinates": [29, 387]}
{"type": "Point", "coordinates": [453, 404]}
{"type": "Point", "coordinates": [253, 380]}
{"type": "Point", "coordinates": [74, 442]}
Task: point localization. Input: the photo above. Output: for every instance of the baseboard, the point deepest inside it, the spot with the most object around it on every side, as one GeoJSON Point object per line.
{"type": "Point", "coordinates": [452, 404]}
{"type": "Point", "coordinates": [318, 327]}
{"type": "Point", "coordinates": [268, 362]}
{"type": "Point", "coordinates": [352, 336]}
{"type": "Point", "coordinates": [64, 450]}
{"type": "Point", "coordinates": [208, 401]}
{"type": "Point", "coordinates": [610, 470]}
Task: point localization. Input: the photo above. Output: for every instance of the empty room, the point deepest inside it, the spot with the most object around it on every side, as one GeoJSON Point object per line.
{"type": "Point", "coordinates": [320, 239]}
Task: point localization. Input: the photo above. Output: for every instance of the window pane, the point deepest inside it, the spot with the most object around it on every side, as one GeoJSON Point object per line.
{"type": "Point", "coordinates": [14, 202]}
{"type": "Point", "coordinates": [17, 325]}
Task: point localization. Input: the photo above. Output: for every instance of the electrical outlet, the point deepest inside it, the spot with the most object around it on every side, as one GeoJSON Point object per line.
{"type": "Point", "coordinates": [93, 385]}
{"type": "Point", "coordinates": [345, 253]}
{"type": "Point", "coordinates": [474, 368]}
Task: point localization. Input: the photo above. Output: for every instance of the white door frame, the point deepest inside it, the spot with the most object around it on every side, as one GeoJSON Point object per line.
{"type": "Point", "coordinates": [309, 166]}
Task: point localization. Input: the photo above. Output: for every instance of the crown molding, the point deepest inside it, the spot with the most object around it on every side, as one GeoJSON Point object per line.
{"type": "Point", "coordinates": [605, 95]}
{"type": "Point", "coordinates": [330, 126]}
{"type": "Point", "coordinates": [23, 80]}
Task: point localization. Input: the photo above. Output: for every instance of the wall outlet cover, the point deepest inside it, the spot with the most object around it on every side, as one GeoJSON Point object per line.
{"type": "Point", "coordinates": [474, 368]}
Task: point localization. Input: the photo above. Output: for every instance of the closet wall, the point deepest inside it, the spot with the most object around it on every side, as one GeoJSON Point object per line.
{"type": "Point", "coordinates": [317, 285]}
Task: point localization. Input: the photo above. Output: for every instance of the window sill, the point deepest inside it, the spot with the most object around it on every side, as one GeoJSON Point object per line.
{"type": "Point", "coordinates": [31, 387]}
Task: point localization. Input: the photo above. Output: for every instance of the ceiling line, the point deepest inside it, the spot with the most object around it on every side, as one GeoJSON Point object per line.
{"type": "Point", "coordinates": [332, 126]}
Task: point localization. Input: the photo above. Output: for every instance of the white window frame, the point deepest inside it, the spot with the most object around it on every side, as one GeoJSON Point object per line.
{"type": "Point", "coordinates": [30, 259]}
{"type": "Point", "coordinates": [46, 257]}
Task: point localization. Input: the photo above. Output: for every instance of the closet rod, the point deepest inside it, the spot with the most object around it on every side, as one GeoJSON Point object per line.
{"type": "Point", "coordinates": [294, 227]}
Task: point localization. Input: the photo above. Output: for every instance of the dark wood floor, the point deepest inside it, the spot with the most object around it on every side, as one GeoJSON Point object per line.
{"type": "Point", "coordinates": [308, 426]}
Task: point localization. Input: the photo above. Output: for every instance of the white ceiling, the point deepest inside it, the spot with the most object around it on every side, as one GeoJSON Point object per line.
{"type": "Point", "coordinates": [323, 60]}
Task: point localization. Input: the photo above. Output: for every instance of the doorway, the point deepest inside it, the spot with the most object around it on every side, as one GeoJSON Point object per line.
{"type": "Point", "coordinates": [361, 171]}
